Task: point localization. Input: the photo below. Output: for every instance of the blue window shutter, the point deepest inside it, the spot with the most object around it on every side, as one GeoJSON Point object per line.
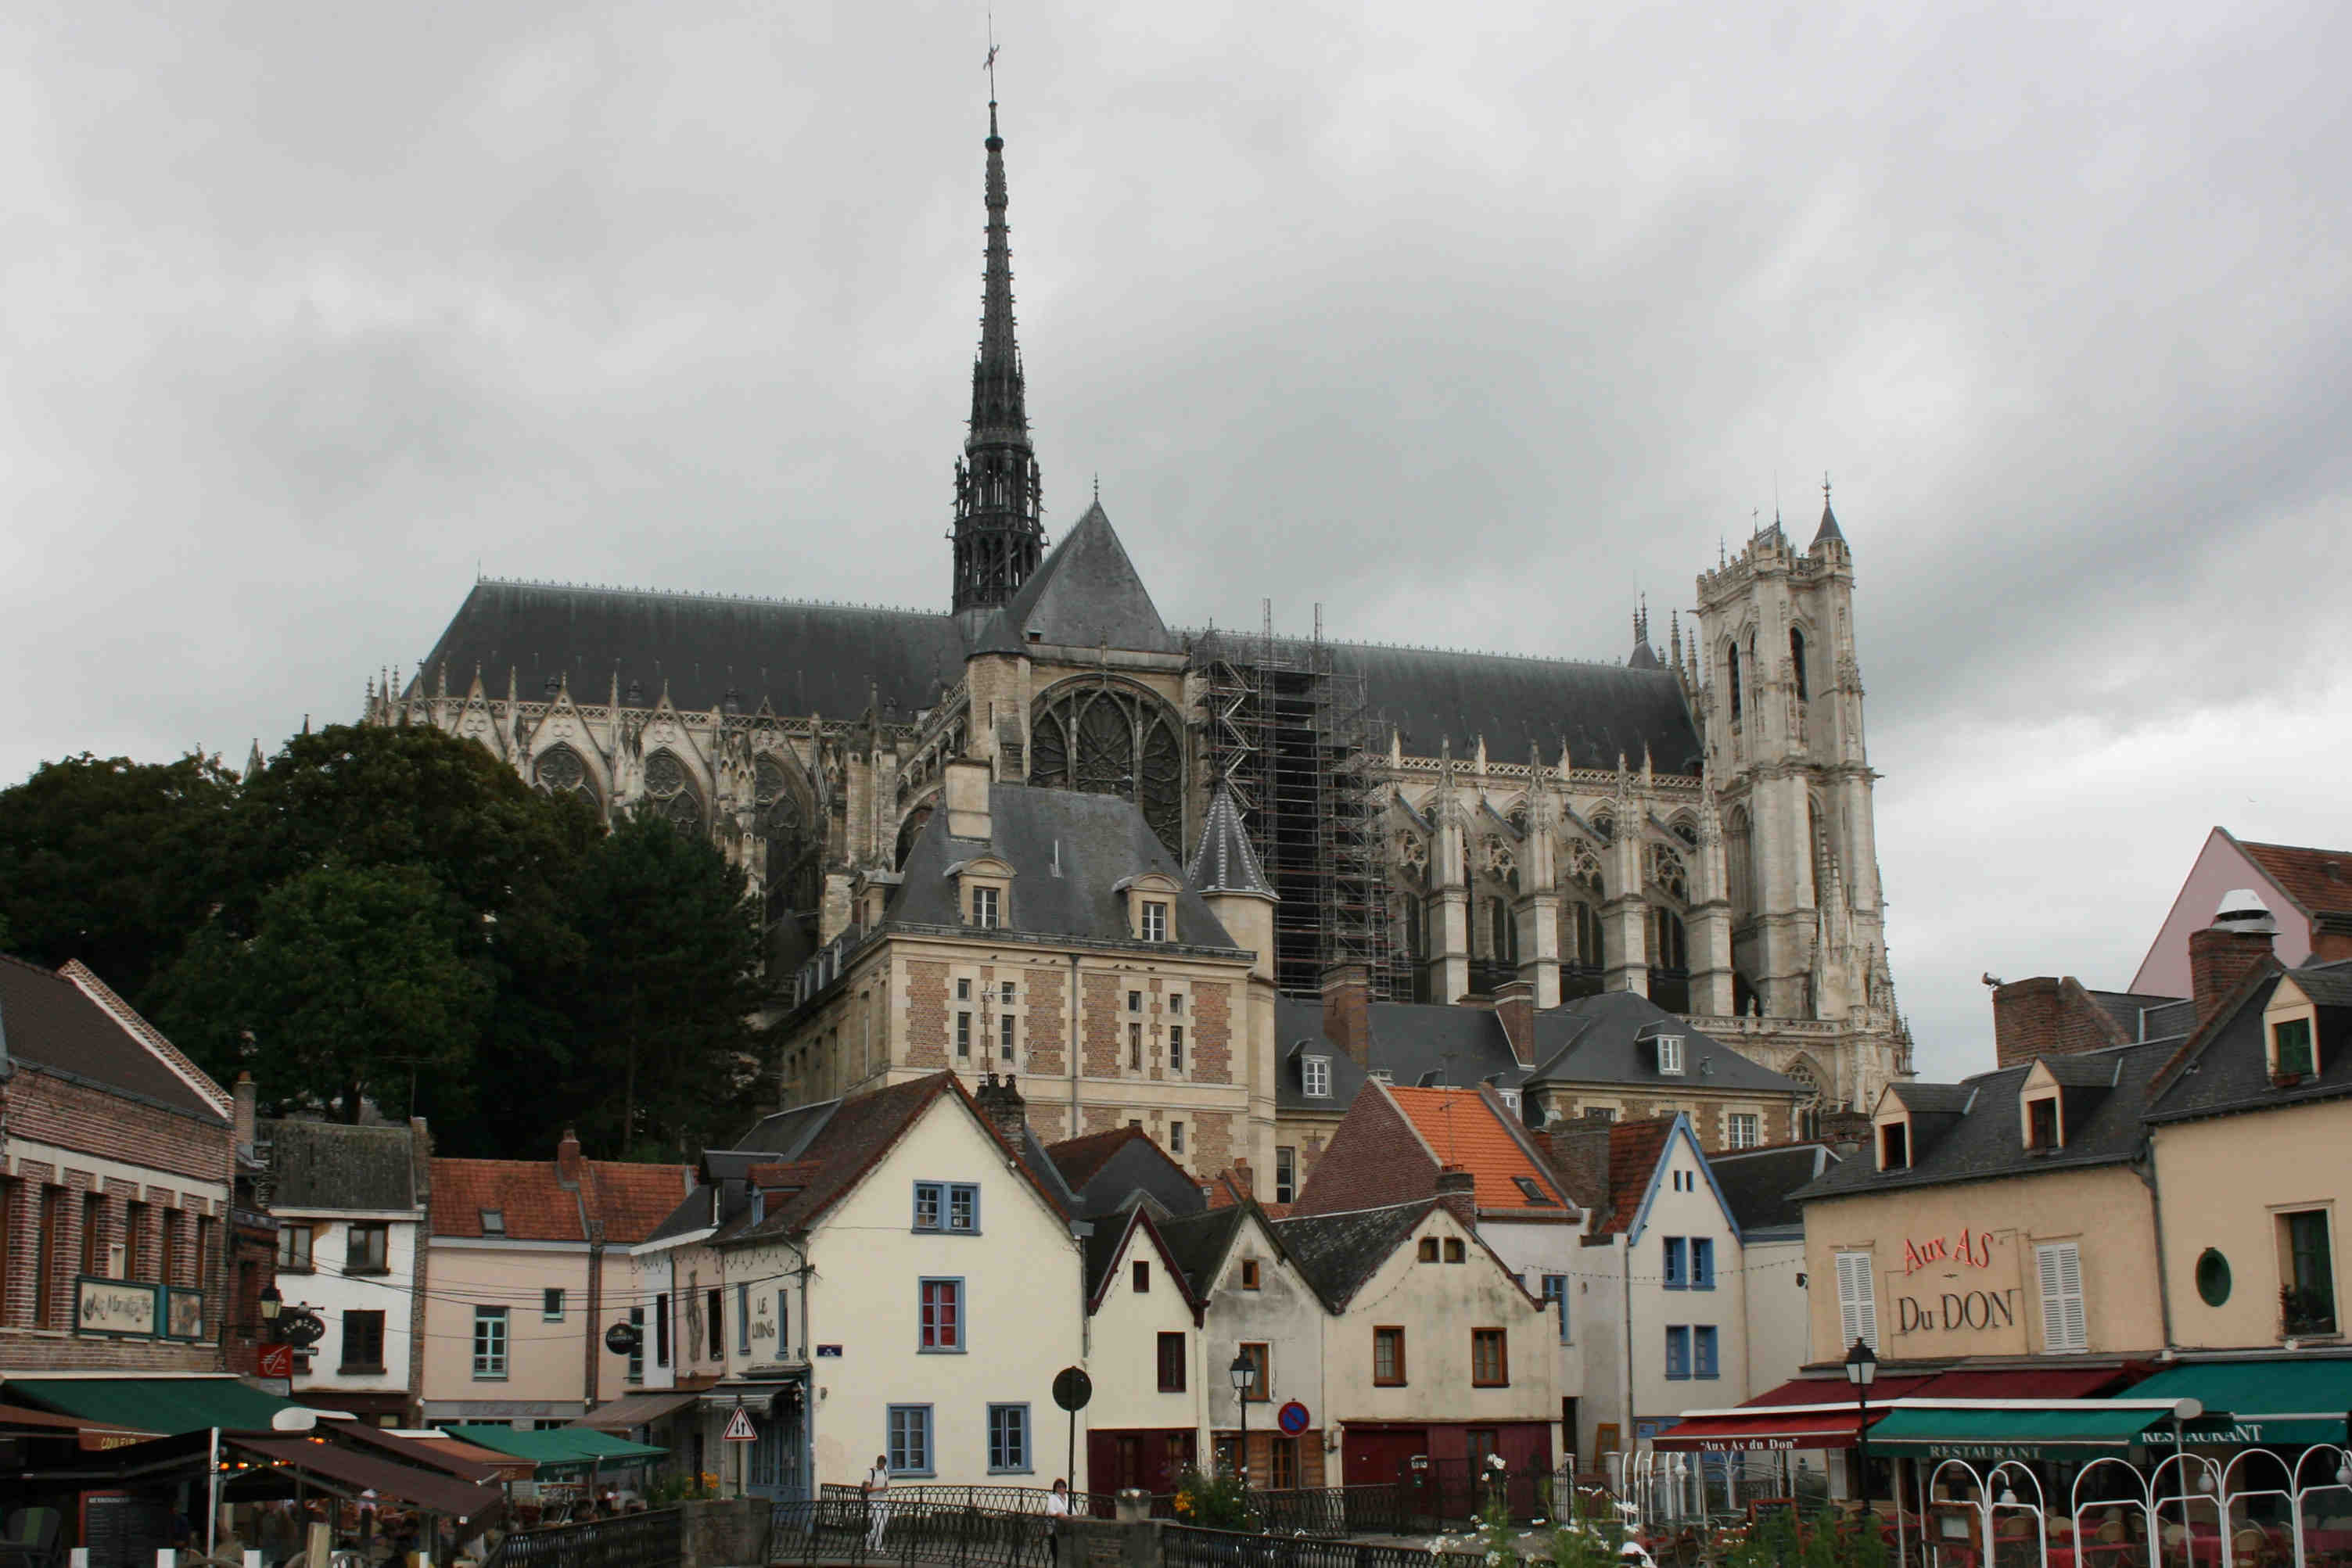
{"type": "Point", "coordinates": [1703, 1351]}
{"type": "Point", "coordinates": [1702, 1263]}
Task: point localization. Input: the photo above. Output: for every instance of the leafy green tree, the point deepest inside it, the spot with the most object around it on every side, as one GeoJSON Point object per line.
{"type": "Point", "coordinates": [353, 987]}
{"type": "Point", "coordinates": [662, 1005]}
{"type": "Point", "coordinates": [112, 862]}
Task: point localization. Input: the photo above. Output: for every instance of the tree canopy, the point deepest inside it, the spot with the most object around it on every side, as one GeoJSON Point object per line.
{"type": "Point", "coordinates": [390, 915]}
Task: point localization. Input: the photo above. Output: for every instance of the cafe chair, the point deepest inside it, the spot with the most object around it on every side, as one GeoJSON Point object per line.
{"type": "Point", "coordinates": [2249, 1546]}
{"type": "Point", "coordinates": [34, 1539]}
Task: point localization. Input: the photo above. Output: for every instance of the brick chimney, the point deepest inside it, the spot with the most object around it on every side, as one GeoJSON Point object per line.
{"type": "Point", "coordinates": [1579, 1155]}
{"type": "Point", "coordinates": [1347, 1011]}
{"type": "Point", "coordinates": [1515, 1004]}
{"type": "Point", "coordinates": [2238, 941]}
{"type": "Point", "coordinates": [1006, 1110]}
{"type": "Point", "coordinates": [568, 1165]}
{"type": "Point", "coordinates": [2049, 1016]}
{"type": "Point", "coordinates": [1458, 1189]}
{"type": "Point", "coordinates": [248, 1098]}
{"type": "Point", "coordinates": [965, 796]}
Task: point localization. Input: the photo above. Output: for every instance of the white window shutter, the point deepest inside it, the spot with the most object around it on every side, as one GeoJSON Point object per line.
{"type": "Point", "coordinates": [2065, 1323]}
{"type": "Point", "coordinates": [1857, 1301]}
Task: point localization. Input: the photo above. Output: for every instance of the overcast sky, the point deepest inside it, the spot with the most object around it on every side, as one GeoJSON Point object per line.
{"type": "Point", "coordinates": [1468, 322]}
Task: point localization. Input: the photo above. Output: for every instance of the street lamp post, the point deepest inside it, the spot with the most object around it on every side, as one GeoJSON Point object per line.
{"type": "Point", "coordinates": [1244, 1372]}
{"type": "Point", "coordinates": [1862, 1371]}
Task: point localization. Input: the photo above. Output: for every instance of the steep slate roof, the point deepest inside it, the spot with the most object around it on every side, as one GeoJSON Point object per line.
{"type": "Point", "coordinates": [1464, 1128]}
{"type": "Point", "coordinates": [2232, 1060]}
{"type": "Point", "coordinates": [326, 1164]}
{"type": "Point", "coordinates": [1829, 529]}
{"type": "Point", "coordinates": [1086, 594]}
{"type": "Point", "coordinates": [1758, 1184]}
{"type": "Point", "coordinates": [1338, 1252]}
{"type": "Point", "coordinates": [1977, 1127]}
{"type": "Point", "coordinates": [2142, 1015]}
{"type": "Point", "coordinates": [1106, 1171]}
{"type": "Point", "coordinates": [1111, 1237]}
{"type": "Point", "coordinates": [1600, 711]}
{"type": "Point", "coordinates": [2315, 879]}
{"type": "Point", "coordinates": [854, 1139]}
{"type": "Point", "coordinates": [1101, 840]}
{"type": "Point", "coordinates": [48, 1021]}
{"type": "Point", "coordinates": [1224, 863]}
{"type": "Point", "coordinates": [1199, 1242]}
{"type": "Point", "coordinates": [1606, 1039]}
{"type": "Point", "coordinates": [800, 658]}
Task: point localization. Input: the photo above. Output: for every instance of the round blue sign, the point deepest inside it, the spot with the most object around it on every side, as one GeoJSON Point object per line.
{"type": "Point", "coordinates": [1292, 1417]}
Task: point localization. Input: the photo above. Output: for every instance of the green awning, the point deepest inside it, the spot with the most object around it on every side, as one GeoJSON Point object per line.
{"type": "Point", "coordinates": [560, 1451]}
{"type": "Point", "coordinates": [2292, 1402]}
{"type": "Point", "coordinates": [164, 1405]}
{"type": "Point", "coordinates": [2067, 1429]}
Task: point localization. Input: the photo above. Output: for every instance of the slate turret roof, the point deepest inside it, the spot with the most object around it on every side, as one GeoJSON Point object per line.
{"type": "Point", "coordinates": [1224, 863]}
{"type": "Point", "coordinates": [1086, 594]}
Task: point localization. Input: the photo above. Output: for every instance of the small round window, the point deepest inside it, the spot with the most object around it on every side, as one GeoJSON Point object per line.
{"type": "Point", "coordinates": [2212, 1277]}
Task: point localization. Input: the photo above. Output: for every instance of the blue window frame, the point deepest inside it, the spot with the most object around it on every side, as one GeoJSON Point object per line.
{"type": "Point", "coordinates": [908, 1445]}
{"type": "Point", "coordinates": [1678, 1352]}
{"type": "Point", "coordinates": [948, 1207]}
{"type": "Point", "coordinates": [1555, 1295]}
{"type": "Point", "coordinates": [1008, 1439]}
{"type": "Point", "coordinates": [1677, 1262]}
{"type": "Point", "coordinates": [943, 1330]}
{"type": "Point", "coordinates": [1702, 1263]}
{"type": "Point", "coordinates": [1703, 1351]}
{"type": "Point", "coordinates": [742, 1320]}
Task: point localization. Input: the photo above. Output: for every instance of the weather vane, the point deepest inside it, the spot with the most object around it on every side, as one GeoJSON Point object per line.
{"type": "Point", "coordinates": [989, 65]}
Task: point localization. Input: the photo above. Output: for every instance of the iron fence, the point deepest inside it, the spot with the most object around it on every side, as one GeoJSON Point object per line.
{"type": "Point", "coordinates": [655, 1539]}
{"type": "Point", "coordinates": [1187, 1546]}
{"type": "Point", "coordinates": [1003, 1499]}
{"type": "Point", "coordinates": [1437, 1491]}
{"type": "Point", "coordinates": [891, 1528]}
{"type": "Point", "coordinates": [1327, 1511]}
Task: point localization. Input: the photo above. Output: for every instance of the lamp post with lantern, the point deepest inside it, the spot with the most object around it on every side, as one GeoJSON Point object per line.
{"type": "Point", "coordinates": [1862, 1371]}
{"type": "Point", "coordinates": [1244, 1372]}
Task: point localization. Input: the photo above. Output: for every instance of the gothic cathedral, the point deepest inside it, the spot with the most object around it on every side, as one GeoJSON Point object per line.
{"type": "Point", "coordinates": [1695, 824]}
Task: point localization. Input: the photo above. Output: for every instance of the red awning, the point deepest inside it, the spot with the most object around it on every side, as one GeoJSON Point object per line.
{"type": "Point", "coordinates": [341, 1469]}
{"type": "Point", "coordinates": [1836, 1391]}
{"type": "Point", "coordinates": [2037, 1383]}
{"type": "Point", "coordinates": [1804, 1413]}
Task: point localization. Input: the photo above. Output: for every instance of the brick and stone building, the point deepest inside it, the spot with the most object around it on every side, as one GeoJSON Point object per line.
{"type": "Point", "coordinates": [1693, 824]}
{"type": "Point", "coordinates": [118, 1159]}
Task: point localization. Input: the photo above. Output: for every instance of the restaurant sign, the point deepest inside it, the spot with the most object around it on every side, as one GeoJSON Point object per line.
{"type": "Point", "coordinates": [122, 1309]}
{"type": "Point", "coordinates": [1963, 1286]}
{"type": "Point", "coordinates": [1757, 1445]}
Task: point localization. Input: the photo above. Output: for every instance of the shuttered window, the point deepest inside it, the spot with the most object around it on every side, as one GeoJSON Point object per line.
{"type": "Point", "coordinates": [1857, 1301]}
{"type": "Point", "coordinates": [2063, 1323]}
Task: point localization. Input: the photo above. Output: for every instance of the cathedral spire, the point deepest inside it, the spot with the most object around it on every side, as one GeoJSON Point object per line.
{"type": "Point", "coordinates": [999, 536]}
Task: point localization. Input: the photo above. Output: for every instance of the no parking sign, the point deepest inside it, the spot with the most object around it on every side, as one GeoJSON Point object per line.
{"type": "Point", "coordinates": [1291, 1419]}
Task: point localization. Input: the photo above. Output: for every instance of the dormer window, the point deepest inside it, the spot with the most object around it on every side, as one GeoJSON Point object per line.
{"type": "Point", "coordinates": [1894, 1146]}
{"type": "Point", "coordinates": [1150, 905]}
{"type": "Point", "coordinates": [1315, 1077]}
{"type": "Point", "coordinates": [1670, 1055]}
{"type": "Point", "coordinates": [987, 911]}
{"type": "Point", "coordinates": [2041, 1122]}
{"type": "Point", "coordinates": [1155, 920]}
{"type": "Point", "coordinates": [2291, 1047]}
{"type": "Point", "coordinates": [1529, 1190]}
{"type": "Point", "coordinates": [983, 889]}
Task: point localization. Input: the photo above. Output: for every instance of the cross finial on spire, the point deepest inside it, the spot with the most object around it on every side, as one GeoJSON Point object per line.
{"type": "Point", "coordinates": [1098, 486]}
{"type": "Point", "coordinates": [989, 65]}
{"type": "Point", "coordinates": [1825, 487]}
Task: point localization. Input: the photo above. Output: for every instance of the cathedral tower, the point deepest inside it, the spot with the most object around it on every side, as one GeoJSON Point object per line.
{"type": "Point", "coordinates": [1783, 711]}
{"type": "Point", "coordinates": [999, 534]}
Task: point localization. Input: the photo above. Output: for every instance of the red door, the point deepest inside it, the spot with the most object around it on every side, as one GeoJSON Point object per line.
{"type": "Point", "coordinates": [1373, 1455]}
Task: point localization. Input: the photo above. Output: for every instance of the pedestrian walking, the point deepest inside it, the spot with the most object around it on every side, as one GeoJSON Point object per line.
{"type": "Point", "coordinates": [878, 1511]}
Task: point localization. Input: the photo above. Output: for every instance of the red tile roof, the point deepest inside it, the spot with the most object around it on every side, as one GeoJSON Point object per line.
{"type": "Point", "coordinates": [1462, 1127]}
{"type": "Point", "coordinates": [2315, 879]}
{"type": "Point", "coordinates": [1634, 1148]}
{"type": "Point", "coordinates": [630, 1199]}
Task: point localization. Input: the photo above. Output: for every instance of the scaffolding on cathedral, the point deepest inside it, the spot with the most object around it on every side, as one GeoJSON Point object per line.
{"type": "Point", "coordinates": [1290, 736]}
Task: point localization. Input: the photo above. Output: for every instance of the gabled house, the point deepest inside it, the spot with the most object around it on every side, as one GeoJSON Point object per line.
{"type": "Point", "coordinates": [1660, 1296]}
{"type": "Point", "coordinates": [350, 1205]}
{"type": "Point", "coordinates": [1434, 1349]}
{"type": "Point", "coordinates": [2308, 892]}
{"type": "Point", "coordinates": [1145, 1342]}
{"type": "Point", "coordinates": [901, 1279]}
{"type": "Point", "coordinates": [1104, 1172]}
{"type": "Point", "coordinates": [1259, 1306]}
{"type": "Point", "coordinates": [1760, 1185]}
{"type": "Point", "coordinates": [528, 1266]}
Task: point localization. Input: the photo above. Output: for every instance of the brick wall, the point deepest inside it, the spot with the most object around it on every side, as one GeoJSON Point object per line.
{"type": "Point", "coordinates": [1212, 1039]}
{"type": "Point", "coordinates": [1048, 1022]}
{"type": "Point", "coordinates": [1102, 1020]}
{"type": "Point", "coordinates": [1375, 1157]}
{"type": "Point", "coordinates": [927, 1013]}
{"type": "Point", "coordinates": [2049, 1016]}
{"type": "Point", "coordinates": [1213, 1143]}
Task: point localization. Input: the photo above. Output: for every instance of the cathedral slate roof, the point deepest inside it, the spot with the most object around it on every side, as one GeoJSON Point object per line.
{"type": "Point", "coordinates": [1224, 863]}
{"type": "Point", "coordinates": [800, 658]}
{"type": "Point", "coordinates": [1068, 851]}
{"type": "Point", "coordinates": [1086, 594]}
{"type": "Point", "coordinates": [1601, 712]}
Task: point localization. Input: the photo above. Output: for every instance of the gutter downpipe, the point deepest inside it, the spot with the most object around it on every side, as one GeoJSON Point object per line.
{"type": "Point", "coordinates": [1071, 1047]}
{"type": "Point", "coordinates": [1626, 1278]}
{"type": "Point", "coordinates": [2155, 1216]}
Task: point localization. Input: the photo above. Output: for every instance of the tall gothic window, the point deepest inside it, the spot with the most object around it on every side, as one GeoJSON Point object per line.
{"type": "Point", "coordinates": [1732, 681]}
{"type": "Point", "coordinates": [1505, 931]}
{"type": "Point", "coordinates": [792, 843]}
{"type": "Point", "coordinates": [1797, 662]}
{"type": "Point", "coordinates": [560, 771]}
{"type": "Point", "coordinates": [671, 790]}
{"type": "Point", "coordinates": [1738, 860]}
{"type": "Point", "coordinates": [1669, 960]}
{"type": "Point", "coordinates": [1110, 740]}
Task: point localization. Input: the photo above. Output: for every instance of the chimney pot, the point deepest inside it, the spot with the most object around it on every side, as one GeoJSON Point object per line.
{"type": "Point", "coordinates": [1515, 1005]}
{"type": "Point", "coordinates": [1457, 1190]}
{"type": "Point", "coordinates": [2240, 941]}
{"type": "Point", "coordinates": [1347, 1011]}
